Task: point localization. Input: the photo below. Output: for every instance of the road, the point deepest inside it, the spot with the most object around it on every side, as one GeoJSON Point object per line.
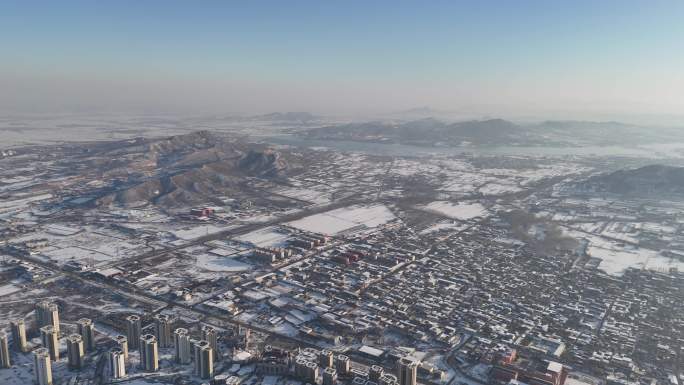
{"type": "Point", "coordinates": [138, 294]}
{"type": "Point", "coordinates": [203, 314]}
{"type": "Point", "coordinates": [135, 293]}
{"type": "Point", "coordinates": [243, 230]}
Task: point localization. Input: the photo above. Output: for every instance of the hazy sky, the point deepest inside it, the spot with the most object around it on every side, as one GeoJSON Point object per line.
{"type": "Point", "coordinates": [339, 57]}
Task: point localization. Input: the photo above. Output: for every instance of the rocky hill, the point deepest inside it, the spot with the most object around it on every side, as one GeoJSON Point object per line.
{"type": "Point", "coordinates": [182, 170]}
{"type": "Point", "coordinates": [648, 181]}
{"type": "Point", "coordinates": [265, 164]}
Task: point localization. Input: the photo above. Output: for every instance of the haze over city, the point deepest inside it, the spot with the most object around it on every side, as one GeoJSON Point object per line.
{"type": "Point", "coordinates": [342, 193]}
{"type": "Point", "coordinates": [607, 60]}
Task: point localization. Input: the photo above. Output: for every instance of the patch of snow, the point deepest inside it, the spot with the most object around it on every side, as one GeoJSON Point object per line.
{"type": "Point", "coordinates": [345, 219]}
{"type": "Point", "coordinates": [215, 263]}
{"type": "Point", "coordinates": [461, 211]}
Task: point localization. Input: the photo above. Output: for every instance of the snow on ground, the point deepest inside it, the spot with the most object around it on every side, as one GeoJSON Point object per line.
{"type": "Point", "coordinates": [80, 243]}
{"type": "Point", "coordinates": [215, 263]}
{"type": "Point", "coordinates": [305, 194]}
{"type": "Point", "coordinates": [221, 252]}
{"type": "Point", "coordinates": [443, 226]}
{"type": "Point", "coordinates": [287, 329]}
{"type": "Point", "coordinates": [7, 205]}
{"type": "Point", "coordinates": [192, 232]}
{"type": "Point", "coordinates": [615, 260]}
{"type": "Point", "coordinates": [480, 371]}
{"type": "Point", "coordinates": [74, 253]}
{"type": "Point", "coordinates": [617, 257]}
{"type": "Point", "coordinates": [461, 211]}
{"type": "Point", "coordinates": [582, 379]}
{"type": "Point", "coordinates": [464, 183]}
{"type": "Point", "coordinates": [63, 230]}
{"type": "Point", "coordinates": [549, 171]}
{"type": "Point", "coordinates": [628, 232]}
{"type": "Point", "coordinates": [498, 189]}
{"type": "Point", "coordinates": [408, 167]}
{"type": "Point", "coordinates": [8, 289]}
{"type": "Point", "coordinates": [344, 219]}
{"type": "Point", "coordinates": [264, 217]}
{"type": "Point", "coordinates": [266, 237]}
{"type": "Point", "coordinates": [592, 227]}
{"type": "Point", "coordinates": [466, 180]}
{"type": "Point", "coordinates": [143, 381]}
{"type": "Point", "coordinates": [229, 246]}
{"type": "Point", "coordinates": [658, 228]}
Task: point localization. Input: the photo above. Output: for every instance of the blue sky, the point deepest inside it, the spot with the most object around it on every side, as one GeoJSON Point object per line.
{"type": "Point", "coordinates": [344, 56]}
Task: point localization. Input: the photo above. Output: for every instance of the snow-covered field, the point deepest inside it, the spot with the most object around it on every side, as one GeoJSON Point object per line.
{"type": "Point", "coordinates": [75, 253]}
{"type": "Point", "coordinates": [19, 204]}
{"type": "Point", "coordinates": [499, 188]}
{"type": "Point", "coordinates": [340, 220]}
{"type": "Point", "coordinates": [443, 226]}
{"type": "Point", "coordinates": [616, 257]}
{"type": "Point", "coordinates": [266, 237]}
{"type": "Point", "coordinates": [93, 243]}
{"type": "Point", "coordinates": [191, 232]}
{"type": "Point", "coordinates": [216, 263]}
{"type": "Point", "coordinates": [62, 230]}
{"type": "Point", "coordinates": [462, 211]}
{"type": "Point", "coordinates": [305, 194]}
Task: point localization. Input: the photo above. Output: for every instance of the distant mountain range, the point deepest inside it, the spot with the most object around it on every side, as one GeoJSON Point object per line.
{"type": "Point", "coordinates": [430, 131]}
{"type": "Point", "coordinates": [424, 131]}
{"type": "Point", "coordinates": [286, 116]}
{"type": "Point", "coordinates": [283, 117]}
{"type": "Point", "coordinates": [653, 181]}
{"type": "Point", "coordinates": [602, 133]}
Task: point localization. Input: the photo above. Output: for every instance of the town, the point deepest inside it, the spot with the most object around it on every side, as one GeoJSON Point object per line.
{"type": "Point", "coordinates": [356, 269]}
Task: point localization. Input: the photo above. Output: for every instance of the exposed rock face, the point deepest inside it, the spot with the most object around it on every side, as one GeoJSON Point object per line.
{"type": "Point", "coordinates": [265, 164]}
